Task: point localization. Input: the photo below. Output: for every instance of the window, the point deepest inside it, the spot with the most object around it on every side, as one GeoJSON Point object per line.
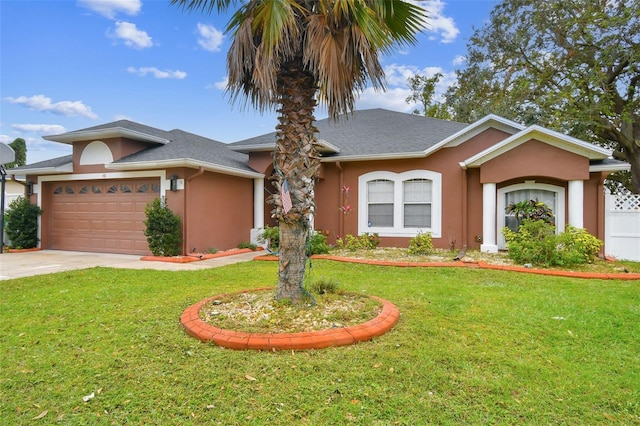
{"type": "Point", "coordinates": [417, 203]}
{"type": "Point", "coordinates": [400, 204]}
{"type": "Point", "coordinates": [380, 202]}
{"type": "Point", "coordinates": [551, 195]}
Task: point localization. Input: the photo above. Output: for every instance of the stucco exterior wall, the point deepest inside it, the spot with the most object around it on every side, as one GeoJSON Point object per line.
{"type": "Point", "coordinates": [220, 211]}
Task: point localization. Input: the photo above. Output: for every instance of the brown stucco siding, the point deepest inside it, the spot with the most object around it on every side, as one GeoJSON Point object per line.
{"type": "Point", "coordinates": [261, 161]}
{"type": "Point", "coordinates": [594, 205]}
{"type": "Point", "coordinates": [219, 213]}
{"type": "Point", "coordinates": [535, 158]}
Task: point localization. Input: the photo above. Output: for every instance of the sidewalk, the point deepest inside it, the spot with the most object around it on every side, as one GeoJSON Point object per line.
{"type": "Point", "coordinates": [16, 265]}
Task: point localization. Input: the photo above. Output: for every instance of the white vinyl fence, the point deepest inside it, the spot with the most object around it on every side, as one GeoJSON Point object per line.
{"type": "Point", "coordinates": [622, 226]}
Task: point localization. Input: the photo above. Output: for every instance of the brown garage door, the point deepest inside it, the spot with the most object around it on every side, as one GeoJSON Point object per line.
{"type": "Point", "coordinates": [100, 216]}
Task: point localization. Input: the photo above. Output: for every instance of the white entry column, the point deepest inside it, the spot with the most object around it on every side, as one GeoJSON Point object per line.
{"type": "Point", "coordinates": [258, 210]}
{"type": "Point", "coordinates": [489, 244]}
{"type": "Point", "coordinates": [576, 203]}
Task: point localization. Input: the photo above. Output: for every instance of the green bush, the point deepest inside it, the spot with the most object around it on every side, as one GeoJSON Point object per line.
{"type": "Point", "coordinates": [576, 246]}
{"type": "Point", "coordinates": [365, 241]}
{"type": "Point", "coordinates": [324, 286]}
{"type": "Point", "coordinates": [21, 223]}
{"type": "Point", "coordinates": [317, 244]}
{"type": "Point", "coordinates": [421, 244]}
{"type": "Point", "coordinates": [246, 244]}
{"type": "Point", "coordinates": [164, 229]}
{"type": "Point", "coordinates": [531, 209]}
{"type": "Point", "coordinates": [271, 235]}
{"type": "Point", "coordinates": [537, 243]}
{"type": "Point", "coordinates": [533, 243]}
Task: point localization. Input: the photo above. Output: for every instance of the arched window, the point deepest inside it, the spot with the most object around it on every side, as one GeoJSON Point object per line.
{"type": "Point", "coordinates": [400, 204]}
{"type": "Point", "coordinates": [551, 195]}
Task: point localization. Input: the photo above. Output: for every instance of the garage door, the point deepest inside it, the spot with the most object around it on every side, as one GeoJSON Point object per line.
{"type": "Point", "coordinates": [100, 216]}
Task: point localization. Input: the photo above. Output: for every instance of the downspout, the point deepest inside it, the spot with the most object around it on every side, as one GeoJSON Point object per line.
{"type": "Point", "coordinates": [25, 184]}
{"type": "Point", "coordinates": [600, 217]}
{"type": "Point", "coordinates": [341, 198]}
{"type": "Point", "coordinates": [185, 246]}
{"type": "Point", "coordinates": [465, 216]}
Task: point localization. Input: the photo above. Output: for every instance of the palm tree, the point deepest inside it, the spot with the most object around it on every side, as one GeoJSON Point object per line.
{"type": "Point", "coordinates": [290, 54]}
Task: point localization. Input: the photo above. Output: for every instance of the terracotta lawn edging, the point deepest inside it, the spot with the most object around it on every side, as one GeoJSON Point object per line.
{"type": "Point", "coordinates": [196, 257]}
{"type": "Point", "coordinates": [27, 250]}
{"type": "Point", "coordinates": [478, 264]}
{"type": "Point", "coordinates": [195, 327]}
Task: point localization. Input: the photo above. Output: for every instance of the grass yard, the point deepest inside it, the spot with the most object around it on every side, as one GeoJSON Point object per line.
{"type": "Point", "coordinates": [471, 347]}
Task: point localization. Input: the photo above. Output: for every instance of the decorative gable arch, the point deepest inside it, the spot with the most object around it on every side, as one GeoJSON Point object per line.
{"type": "Point", "coordinates": [97, 152]}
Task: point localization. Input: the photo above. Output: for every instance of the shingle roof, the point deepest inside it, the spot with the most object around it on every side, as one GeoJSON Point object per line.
{"type": "Point", "coordinates": [46, 164]}
{"type": "Point", "coordinates": [132, 130]}
{"type": "Point", "coordinates": [165, 146]}
{"type": "Point", "coordinates": [374, 132]}
{"type": "Point", "coordinates": [184, 145]}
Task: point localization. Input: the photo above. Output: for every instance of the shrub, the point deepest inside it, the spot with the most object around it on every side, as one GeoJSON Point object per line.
{"type": "Point", "coordinates": [536, 243]}
{"type": "Point", "coordinates": [421, 244]}
{"type": "Point", "coordinates": [271, 235]}
{"type": "Point", "coordinates": [164, 229]}
{"type": "Point", "coordinates": [317, 244]}
{"type": "Point", "coordinates": [21, 223]}
{"type": "Point", "coordinates": [246, 244]}
{"type": "Point", "coordinates": [365, 241]}
{"type": "Point", "coordinates": [533, 243]}
{"type": "Point", "coordinates": [324, 286]}
{"type": "Point", "coordinates": [531, 209]}
{"type": "Point", "coordinates": [576, 245]}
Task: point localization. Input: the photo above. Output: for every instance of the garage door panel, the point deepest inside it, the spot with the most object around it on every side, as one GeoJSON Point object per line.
{"type": "Point", "coordinates": [100, 216]}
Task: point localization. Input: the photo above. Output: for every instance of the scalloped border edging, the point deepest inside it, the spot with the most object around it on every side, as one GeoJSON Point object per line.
{"type": "Point", "coordinates": [195, 257]}
{"type": "Point", "coordinates": [479, 264]}
{"type": "Point", "coordinates": [12, 250]}
{"type": "Point", "coordinates": [195, 327]}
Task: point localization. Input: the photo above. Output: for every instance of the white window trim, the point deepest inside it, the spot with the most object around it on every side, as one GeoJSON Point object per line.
{"type": "Point", "coordinates": [559, 208]}
{"type": "Point", "coordinates": [398, 229]}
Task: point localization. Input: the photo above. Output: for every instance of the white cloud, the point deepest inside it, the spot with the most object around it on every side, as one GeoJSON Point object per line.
{"type": "Point", "coordinates": [45, 129]}
{"type": "Point", "coordinates": [132, 36]}
{"type": "Point", "coordinates": [6, 139]}
{"type": "Point", "coordinates": [109, 8]}
{"type": "Point", "coordinates": [437, 23]}
{"type": "Point", "coordinates": [397, 75]}
{"type": "Point", "coordinates": [43, 103]}
{"type": "Point", "coordinates": [157, 73]}
{"type": "Point", "coordinates": [398, 90]}
{"type": "Point", "coordinates": [210, 38]}
{"type": "Point", "coordinates": [459, 60]}
{"type": "Point", "coordinates": [222, 84]}
{"type": "Point", "coordinates": [392, 99]}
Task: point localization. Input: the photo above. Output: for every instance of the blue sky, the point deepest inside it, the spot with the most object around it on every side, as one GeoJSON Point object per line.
{"type": "Point", "coordinates": [67, 65]}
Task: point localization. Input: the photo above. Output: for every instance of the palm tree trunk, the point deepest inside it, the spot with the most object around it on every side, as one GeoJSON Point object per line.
{"type": "Point", "coordinates": [297, 161]}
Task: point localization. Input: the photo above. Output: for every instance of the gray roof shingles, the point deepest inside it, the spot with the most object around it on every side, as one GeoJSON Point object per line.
{"type": "Point", "coordinates": [186, 145]}
{"type": "Point", "coordinates": [376, 132]}
{"type": "Point", "coordinates": [372, 132]}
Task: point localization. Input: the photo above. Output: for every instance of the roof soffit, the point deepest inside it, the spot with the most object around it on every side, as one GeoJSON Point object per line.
{"type": "Point", "coordinates": [113, 132]}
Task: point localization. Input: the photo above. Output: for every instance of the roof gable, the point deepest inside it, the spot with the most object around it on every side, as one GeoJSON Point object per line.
{"type": "Point", "coordinates": [121, 128]}
{"type": "Point", "coordinates": [559, 140]}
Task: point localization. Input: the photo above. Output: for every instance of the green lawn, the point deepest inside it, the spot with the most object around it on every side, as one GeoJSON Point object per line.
{"type": "Point", "coordinates": [471, 346]}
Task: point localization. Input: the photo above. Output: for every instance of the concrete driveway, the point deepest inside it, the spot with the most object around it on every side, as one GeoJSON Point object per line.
{"type": "Point", "coordinates": [16, 265]}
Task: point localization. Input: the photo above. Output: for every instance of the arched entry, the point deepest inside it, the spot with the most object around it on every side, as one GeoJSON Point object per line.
{"type": "Point", "coordinates": [551, 195]}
